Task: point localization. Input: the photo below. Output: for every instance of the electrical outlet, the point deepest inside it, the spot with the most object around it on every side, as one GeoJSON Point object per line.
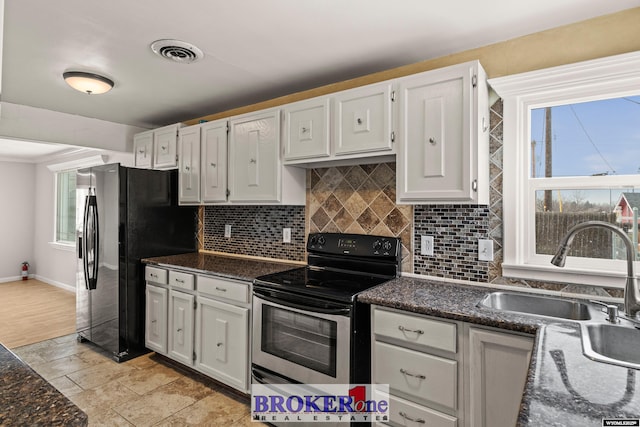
{"type": "Point", "coordinates": [286, 235]}
{"type": "Point", "coordinates": [485, 250]}
{"type": "Point", "coordinates": [227, 230]}
{"type": "Point", "coordinates": [426, 245]}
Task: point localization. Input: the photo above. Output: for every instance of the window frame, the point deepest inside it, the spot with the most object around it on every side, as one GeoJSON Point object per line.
{"type": "Point", "coordinates": [56, 241]}
{"type": "Point", "coordinates": [609, 77]}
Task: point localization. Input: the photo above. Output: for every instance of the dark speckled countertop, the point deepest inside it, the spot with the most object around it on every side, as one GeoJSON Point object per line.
{"type": "Point", "coordinates": [26, 399]}
{"type": "Point", "coordinates": [564, 387]}
{"type": "Point", "coordinates": [221, 265]}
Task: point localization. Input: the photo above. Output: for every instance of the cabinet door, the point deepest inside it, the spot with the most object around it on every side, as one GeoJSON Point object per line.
{"type": "Point", "coordinates": [155, 337]}
{"type": "Point", "coordinates": [435, 152]}
{"type": "Point", "coordinates": [306, 129]}
{"type": "Point", "coordinates": [498, 365]}
{"type": "Point", "coordinates": [181, 327]}
{"type": "Point", "coordinates": [222, 342]}
{"type": "Point", "coordinates": [189, 170]}
{"type": "Point", "coordinates": [254, 160]}
{"type": "Point", "coordinates": [143, 150]}
{"type": "Point", "coordinates": [363, 119]}
{"type": "Point", "coordinates": [213, 144]}
{"type": "Point", "coordinates": [164, 142]}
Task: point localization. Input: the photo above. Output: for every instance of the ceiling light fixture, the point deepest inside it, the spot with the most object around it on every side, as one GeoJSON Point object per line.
{"type": "Point", "coordinates": [92, 84]}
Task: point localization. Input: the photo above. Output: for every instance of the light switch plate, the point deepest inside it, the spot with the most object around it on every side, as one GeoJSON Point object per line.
{"type": "Point", "coordinates": [227, 230]}
{"type": "Point", "coordinates": [485, 250]}
{"type": "Point", "coordinates": [286, 235]}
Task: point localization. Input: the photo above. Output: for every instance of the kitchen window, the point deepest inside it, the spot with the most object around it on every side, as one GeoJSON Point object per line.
{"type": "Point", "coordinates": [65, 230]}
{"type": "Point", "coordinates": [571, 153]}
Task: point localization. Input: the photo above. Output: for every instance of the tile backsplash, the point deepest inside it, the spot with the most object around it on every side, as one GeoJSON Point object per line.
{"type": "Point", "coordinates": [359, 199]}
{"type": "Point", "coordinates": [255, 231]}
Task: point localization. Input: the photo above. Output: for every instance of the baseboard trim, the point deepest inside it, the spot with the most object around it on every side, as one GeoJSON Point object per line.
{"type": "Point", "coordinates": [15, 278]}
{"type": "Point", "coordinates": [60, 285]}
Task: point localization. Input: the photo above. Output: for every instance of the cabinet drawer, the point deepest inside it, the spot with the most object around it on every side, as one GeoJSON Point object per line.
{"type": "Point", "coordinates": [422, 377]}
{"type": "Point", "coordinates": [155, 275]}
{"type": "Point", "coordinates": [406, 413]}
{"type": "Point", "coordinates": [181, 280]}
{"type": "Point", "coordinates": [415, 329]}
{"type": "Point", "coordinates": [224, 288]}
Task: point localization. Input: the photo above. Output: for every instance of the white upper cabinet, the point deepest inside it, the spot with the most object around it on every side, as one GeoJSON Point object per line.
{"type": "Point", "coordinates": [363, 119]}
{"type": "Point", "coordinates": [157, 148]}
{"type": "Point", "coordinates": [143, 150]}
{"type": "Point", "coordinates": [256, 174]}
{"type": "Point", "coordinates": [306, 129]}
{"type": "Point", "coordinates": [213, 153]}
{"type": "Point", "coordinates": [189, 169]}
{"type": "Point", "coordinates": [443, 146]}
{"type": "Point", "coordinates": [343, 127]}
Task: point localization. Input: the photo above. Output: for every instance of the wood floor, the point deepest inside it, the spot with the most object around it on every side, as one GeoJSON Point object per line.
{"type": "Point", "coordinates": [32, 311]}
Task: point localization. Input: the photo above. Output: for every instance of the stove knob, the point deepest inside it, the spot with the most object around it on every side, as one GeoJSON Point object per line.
{"type": "Point", "coordinates": [313, 239]}
{"type": "Point", "coordinates": [377, 245]}
{"type": "Point", "coordinates": [321, 240]}
{"type": "Point", "coordinates": [387, 245]}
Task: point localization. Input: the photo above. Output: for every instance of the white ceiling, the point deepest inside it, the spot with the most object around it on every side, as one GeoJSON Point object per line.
{"type": "Point", "coordinates": [29, 151]}
{"type": "Point", "coordinates": [254, 50]}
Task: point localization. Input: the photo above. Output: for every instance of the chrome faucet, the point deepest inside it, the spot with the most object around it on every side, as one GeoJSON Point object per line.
{"type": "Point", "coordinates": [631, 291]}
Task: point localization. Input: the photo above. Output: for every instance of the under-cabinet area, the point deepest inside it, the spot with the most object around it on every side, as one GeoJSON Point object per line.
{"type": "Point", "coordinates": [200, 321]}
{"type": "Point", "coordinates": [448, 373]}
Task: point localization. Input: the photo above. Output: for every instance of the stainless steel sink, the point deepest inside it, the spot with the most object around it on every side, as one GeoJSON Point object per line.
{"type": "Point", "coordinates": [537, 305]}
{"type": "Point", "coordinates": [615, 344]}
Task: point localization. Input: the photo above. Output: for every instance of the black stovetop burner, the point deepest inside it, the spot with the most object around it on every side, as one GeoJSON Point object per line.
{"type": "Point", "coordinates": [340, 267]}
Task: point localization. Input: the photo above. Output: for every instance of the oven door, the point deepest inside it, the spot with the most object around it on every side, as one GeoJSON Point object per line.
{"type": "Point", "coordinates": [301, 338]}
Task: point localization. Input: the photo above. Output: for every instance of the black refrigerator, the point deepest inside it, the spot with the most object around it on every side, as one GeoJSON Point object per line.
{"type": "Point", "coordinates": [124, 215]}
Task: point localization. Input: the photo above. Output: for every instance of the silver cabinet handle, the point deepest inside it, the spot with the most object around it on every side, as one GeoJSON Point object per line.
{"type": "Point", "coordinates": [187, 168]}
{"type": "Point", "coordinates": [415, 420]}
{"type": "Point", "coordinates": [179, 280]}
{"type": "Point", "coordinates": [432, 140]}
{"type": "Point", "coordinates": [213, 165]}
{"type": "Point", "coordinates": [405, 372]}
{"type": "Point", "coordinates": [179, 330]}
{"type": "Point", "coordinates": [252, 160]}
{"type": "Point", "coordinates": [219, 344]}
{"type": "Point", "coordinates": [154, 321]}
{"type": "Point", "coordinates": [417, 331]}
{"type": "Point", "coordinates": [141, 151]}
{"type": "Point", "coordinates": [164, 147]}
{"type": "Point", "coordinates": [221, 289]}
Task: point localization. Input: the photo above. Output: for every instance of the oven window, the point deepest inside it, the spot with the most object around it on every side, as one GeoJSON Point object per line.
{"type": "Point", "coordinates": [300, 338]}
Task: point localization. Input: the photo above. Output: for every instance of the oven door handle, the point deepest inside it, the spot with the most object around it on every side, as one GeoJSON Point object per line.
{"type": "Point", "coordinates": [304, 307]}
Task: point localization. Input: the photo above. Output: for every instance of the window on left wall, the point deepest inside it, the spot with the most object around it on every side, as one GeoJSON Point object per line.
{"type": "Point", "coordinates": [65, 230]}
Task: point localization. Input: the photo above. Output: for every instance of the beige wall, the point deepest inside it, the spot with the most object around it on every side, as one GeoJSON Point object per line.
{"type": "Point", "coordinates": [595, 38]}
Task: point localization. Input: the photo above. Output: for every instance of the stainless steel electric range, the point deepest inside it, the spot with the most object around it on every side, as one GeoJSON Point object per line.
{"type": "Point", "coordinates": [308, 326]}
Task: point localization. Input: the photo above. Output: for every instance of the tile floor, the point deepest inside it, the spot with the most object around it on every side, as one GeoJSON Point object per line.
{"type": "Point", "coordinates": [145, 391]}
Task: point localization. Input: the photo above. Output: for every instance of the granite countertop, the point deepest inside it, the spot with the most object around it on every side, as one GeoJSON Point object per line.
{"type": "Point", "coordinates": [232, 267]}
{"type": "Point", "coordinates": [564, 387]}
{"type": "Point", "coordinates": [27, 399]}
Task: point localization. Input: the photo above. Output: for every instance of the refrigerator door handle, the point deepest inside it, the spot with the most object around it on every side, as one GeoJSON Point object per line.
{"type": "Point", "coordinates": [91, 242]}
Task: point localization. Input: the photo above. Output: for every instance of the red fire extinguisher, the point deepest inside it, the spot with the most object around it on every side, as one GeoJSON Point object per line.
{"type": "Point", "coordinates": [25, 270]}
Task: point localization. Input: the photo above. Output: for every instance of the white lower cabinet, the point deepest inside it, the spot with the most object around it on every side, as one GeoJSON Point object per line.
{"type": "Point", "coordinates": [201, 322]}
{"type": "Point", "coordinates": [448, 373]}
{"type": "Point", "coordinates": [156, 319]}
{"type": "Point", "coordinates": [181, 312]}
{"type": "Point", "coordinates": [222, 342]}
{"type": "Point", "coordinates": [497, 372]}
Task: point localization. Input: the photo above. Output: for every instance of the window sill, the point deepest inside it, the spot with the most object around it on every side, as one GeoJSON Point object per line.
{"type": "Point", "coordinates": [69, 247]}
{"type": "Point", "coordinates": [567, 275]}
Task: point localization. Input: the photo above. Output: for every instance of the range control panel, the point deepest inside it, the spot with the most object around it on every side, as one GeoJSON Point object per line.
{"type": "Point", "coordinates": [353, 244]}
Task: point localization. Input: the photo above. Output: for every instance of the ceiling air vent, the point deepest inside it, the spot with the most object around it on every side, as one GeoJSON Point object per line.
{"type": "Point", "coordinates": [177, 51]}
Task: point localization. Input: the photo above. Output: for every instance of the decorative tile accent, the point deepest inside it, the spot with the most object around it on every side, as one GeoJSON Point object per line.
{"type": "Point", "coordinates": [256, 231]}
{"type": "Point", "coordinates": [359, 199]}
{"type": "Point", "coordinates": [456, 230]}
